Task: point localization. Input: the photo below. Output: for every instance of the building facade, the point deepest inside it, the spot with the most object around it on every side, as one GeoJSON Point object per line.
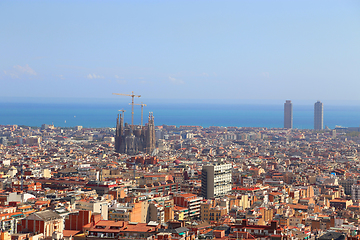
{"type": "Point", "coordinates": [46, 222]}
{"type": "Point", "coordinates": [132, 212]}
{"type": "Point", "coordinates": [210, 212]}
{"type": "Point", "coordinates": [216, 180]}
{"type": "Point", "coordinates": [134, 139]}
{"type": "Point", "coordinates": [76, 220]}
{"type": "Point", "coordinates": [355, 192]}
{"type": "Point", "coordinates": [95, 206]}
{"type": "Point", "coordinates": [189, 201]}
{"type": "Point", "coordinates": [318, 116]}
{"type": "Point", "coordinates": [288, 114]}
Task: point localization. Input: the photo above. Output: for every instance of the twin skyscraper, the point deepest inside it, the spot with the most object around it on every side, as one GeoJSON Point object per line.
{"type": "Point", "coordinates": [318, 115]}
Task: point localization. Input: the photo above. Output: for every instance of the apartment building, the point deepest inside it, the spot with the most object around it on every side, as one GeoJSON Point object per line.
{"type": "Point", "coordinates": [216, 180]}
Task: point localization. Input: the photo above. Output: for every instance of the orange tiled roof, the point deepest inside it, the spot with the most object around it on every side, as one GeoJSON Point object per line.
{"type": "Point", "coordinates": [186, 195]}
{"type": "Point", "coordinates": [178, 208]}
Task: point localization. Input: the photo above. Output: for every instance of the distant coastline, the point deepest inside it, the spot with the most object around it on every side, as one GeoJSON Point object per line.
{"type": "Point", "coordinates": [124, 100]}
{"type": "Point", "coordinates": [104, 113]}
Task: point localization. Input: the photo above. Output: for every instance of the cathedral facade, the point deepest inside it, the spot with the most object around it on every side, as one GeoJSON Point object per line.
{"type": "Point", "coordinates": [133, 140]}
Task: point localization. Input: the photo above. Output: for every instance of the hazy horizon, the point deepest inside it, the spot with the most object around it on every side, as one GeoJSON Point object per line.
{"type": "Point", "coordinates": [127, 100]}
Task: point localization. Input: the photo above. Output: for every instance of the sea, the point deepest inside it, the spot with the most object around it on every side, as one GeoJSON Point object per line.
{"type": "Point", "coordinates": [99, 114]}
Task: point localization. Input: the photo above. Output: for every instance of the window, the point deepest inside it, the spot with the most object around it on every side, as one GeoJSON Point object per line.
{"type": "Point", "coordinates": [115, 227]}
{"type": "Point", "coordinates": [100, 227]}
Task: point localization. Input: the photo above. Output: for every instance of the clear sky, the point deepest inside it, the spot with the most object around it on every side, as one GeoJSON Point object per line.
{"type": "Point", "coordinates": [236, 50]}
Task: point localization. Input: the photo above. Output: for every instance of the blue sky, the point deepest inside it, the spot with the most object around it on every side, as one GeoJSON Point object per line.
{"type": "Point", "coordinates": [229, 50]}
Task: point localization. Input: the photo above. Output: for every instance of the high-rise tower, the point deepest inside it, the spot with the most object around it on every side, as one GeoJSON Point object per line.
{"type": "Point", "coordinates": [318, 116]}
{"type": "Point", "coordinates": [288, 114]}
{"type": "Point", "coordinates": [216, 180]}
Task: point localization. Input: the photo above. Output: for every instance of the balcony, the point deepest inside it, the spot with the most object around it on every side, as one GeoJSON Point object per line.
{"type": "Point", "coordinates": [194, 201]}
{"type": "Point", "coordinates": [194, 207]}
{"type": "Point", "coordinates": [101, 235]}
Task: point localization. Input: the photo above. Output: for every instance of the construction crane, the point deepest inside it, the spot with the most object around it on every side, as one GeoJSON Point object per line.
{"type": "Point", "coordinates": [142, 110]}
{"type": "Point", "coordinates": [132, 95]}
{"type": "Point", "coordinates": [122, 110]}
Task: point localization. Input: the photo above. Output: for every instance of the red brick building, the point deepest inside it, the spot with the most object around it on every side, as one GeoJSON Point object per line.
{"type": "Point", "coordinates": [77, 220]}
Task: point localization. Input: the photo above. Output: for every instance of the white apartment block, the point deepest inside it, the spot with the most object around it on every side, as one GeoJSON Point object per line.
{"type": "Point", "coordinates": [216, 180]}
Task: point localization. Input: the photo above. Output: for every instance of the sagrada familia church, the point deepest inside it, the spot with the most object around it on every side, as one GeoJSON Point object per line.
{"type": "Point", "coordinates": [132, 140]}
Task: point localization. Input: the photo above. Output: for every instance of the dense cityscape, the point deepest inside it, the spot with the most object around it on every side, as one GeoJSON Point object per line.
{"type": "Point", "coordinates": [180, 120]}
{"type": "Point", "coordinates": [180, 182]}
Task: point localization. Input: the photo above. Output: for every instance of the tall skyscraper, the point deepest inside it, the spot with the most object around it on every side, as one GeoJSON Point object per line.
{"type": "Point", "coordinates": [216, 180]}
{"type": "Point", "coordinates": [288, 114]}
{"type": "Point", "coordinates": [318, 116]}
